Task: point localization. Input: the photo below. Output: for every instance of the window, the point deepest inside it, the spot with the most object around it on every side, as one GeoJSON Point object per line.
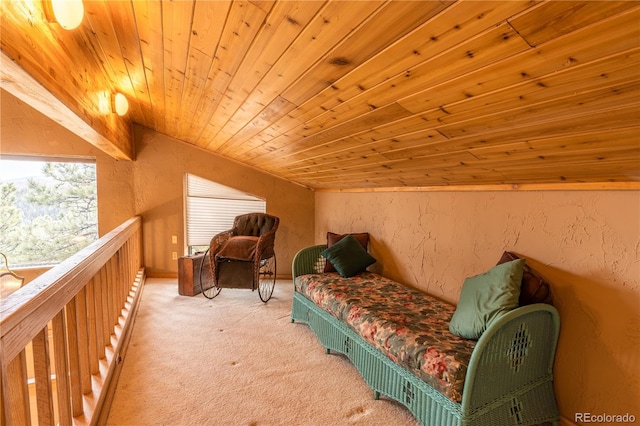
{"type": "Point", "coordinates": [48, 209]}
{"type": "Point", "coordinates": [212, 207]}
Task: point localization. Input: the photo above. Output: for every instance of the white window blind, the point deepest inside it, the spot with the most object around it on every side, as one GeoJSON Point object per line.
{"type": "Point", "coordinates": [212, 207]}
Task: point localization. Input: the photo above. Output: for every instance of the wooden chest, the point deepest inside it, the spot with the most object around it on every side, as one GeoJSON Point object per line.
{"type": "Point", "coordinates": [189, 275]}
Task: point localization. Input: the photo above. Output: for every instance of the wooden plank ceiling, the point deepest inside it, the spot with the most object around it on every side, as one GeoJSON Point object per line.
{"type": "Point", "coordinates": [358, 94]}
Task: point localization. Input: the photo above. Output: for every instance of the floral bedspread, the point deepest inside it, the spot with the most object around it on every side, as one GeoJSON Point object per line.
{"type": "Point", "coordinates": [408, 326]}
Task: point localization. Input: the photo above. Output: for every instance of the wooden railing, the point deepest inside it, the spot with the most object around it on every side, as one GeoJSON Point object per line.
{"type": "Point", "coordinates": [69, 329]}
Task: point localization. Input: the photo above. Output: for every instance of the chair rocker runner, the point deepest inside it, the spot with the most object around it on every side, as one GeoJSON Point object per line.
{"type": "Point", "coordinates": [242, 257]}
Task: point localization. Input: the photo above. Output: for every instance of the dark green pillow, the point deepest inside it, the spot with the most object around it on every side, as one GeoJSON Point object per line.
{"type": "Point", "coordinates": [485, 297]}
{"type": "Point", "coordinates": [348, 257]}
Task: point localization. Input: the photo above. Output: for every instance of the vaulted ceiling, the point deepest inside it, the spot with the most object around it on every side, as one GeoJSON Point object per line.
{"type": "Point", "coordinates": [356, 94]}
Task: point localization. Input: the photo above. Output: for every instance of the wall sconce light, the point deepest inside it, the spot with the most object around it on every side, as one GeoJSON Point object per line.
{"type": "Point", "coordinates": [67, 13]}
{"type": "Point", "coordinates": [119, 104]}
{"type": "Point", "coordinates": [9, 280]}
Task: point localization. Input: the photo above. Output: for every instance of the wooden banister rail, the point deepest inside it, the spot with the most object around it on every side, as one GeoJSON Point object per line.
{"type": "Point", "coordinates": [70, 327]}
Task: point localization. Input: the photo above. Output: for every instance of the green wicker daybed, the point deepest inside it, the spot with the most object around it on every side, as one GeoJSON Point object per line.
{"type": "Point", "coordinates": [399, 340]}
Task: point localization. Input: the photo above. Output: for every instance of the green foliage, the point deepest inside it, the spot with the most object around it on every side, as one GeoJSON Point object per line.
{"type": "Point", "coordinates": [50, 219]}
{"type": "Point", "coordinates": [10, 219]}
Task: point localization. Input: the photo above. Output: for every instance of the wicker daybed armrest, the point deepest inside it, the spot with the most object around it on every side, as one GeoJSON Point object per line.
{"type": "Point", "coordinates": [304, 262]}
{"type": "Point", "coordinates": [514, 355]}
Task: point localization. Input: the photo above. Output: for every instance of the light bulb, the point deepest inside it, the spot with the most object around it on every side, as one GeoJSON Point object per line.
{"type": "Point", "coordinates": [68, 13]}
{"type": "Point", "coordinates": [120, 104]}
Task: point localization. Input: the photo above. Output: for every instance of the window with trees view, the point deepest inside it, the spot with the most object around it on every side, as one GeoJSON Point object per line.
{"type": "Point", "coordinates": [48, 209]}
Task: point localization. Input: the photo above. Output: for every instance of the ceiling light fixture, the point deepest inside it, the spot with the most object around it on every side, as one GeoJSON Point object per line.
{"type": "Point", "coordinates": [67, 13]}
{"type": "Point", "coordinates": [119, 104]}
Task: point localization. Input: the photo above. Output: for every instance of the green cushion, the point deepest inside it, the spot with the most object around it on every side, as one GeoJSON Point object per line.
{"type": "Point", "coordinates": [348, 257]}
{"type": "Point", "coordinates": [485, 297]}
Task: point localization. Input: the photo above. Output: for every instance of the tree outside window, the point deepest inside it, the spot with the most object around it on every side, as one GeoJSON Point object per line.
{"type": "Point", "coordinates": [49, 216]}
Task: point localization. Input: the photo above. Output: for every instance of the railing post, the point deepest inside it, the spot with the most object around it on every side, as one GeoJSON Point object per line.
{"type": "Point", "coordinates": [83, 340]}
{"type": "Point", "coordinates": [61, 356]}
{"type": "Point", "coordinates": [42, 370]}
{"type": "Point", "coordinates": [15, 391]}
{"type": "Point", "coordinates": [74, 360]}
{"type": "Point", "coordinates": [92, 337]}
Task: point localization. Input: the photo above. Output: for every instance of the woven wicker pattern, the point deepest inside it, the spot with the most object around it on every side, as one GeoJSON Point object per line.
{"type": "Point", "coordinates": [518, 350]}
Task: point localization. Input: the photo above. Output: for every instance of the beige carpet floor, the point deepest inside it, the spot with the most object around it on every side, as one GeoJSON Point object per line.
{"type": "Point", "coordinates": [234, 360]}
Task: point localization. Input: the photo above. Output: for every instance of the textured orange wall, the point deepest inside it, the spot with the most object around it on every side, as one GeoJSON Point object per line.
{"type": "Point", "coordinates": [587, 244]}
{"type": "Point", "coordinates": [160, 167]}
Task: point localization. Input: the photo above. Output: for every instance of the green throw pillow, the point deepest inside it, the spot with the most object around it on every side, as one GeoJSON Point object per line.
{"type": "Point", "coordinates": [348, 257]}
{"type": "Point", "coordinates": [485, 297]}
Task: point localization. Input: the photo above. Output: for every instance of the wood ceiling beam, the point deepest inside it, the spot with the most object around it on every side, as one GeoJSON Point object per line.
{"type": "Point", "coordinates": [16, 81]}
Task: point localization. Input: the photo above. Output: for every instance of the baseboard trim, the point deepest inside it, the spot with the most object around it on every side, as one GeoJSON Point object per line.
{"type": "Point", "coordinates": [175, 275]}
{"type": "Point", "coordinates": [162, 275]}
